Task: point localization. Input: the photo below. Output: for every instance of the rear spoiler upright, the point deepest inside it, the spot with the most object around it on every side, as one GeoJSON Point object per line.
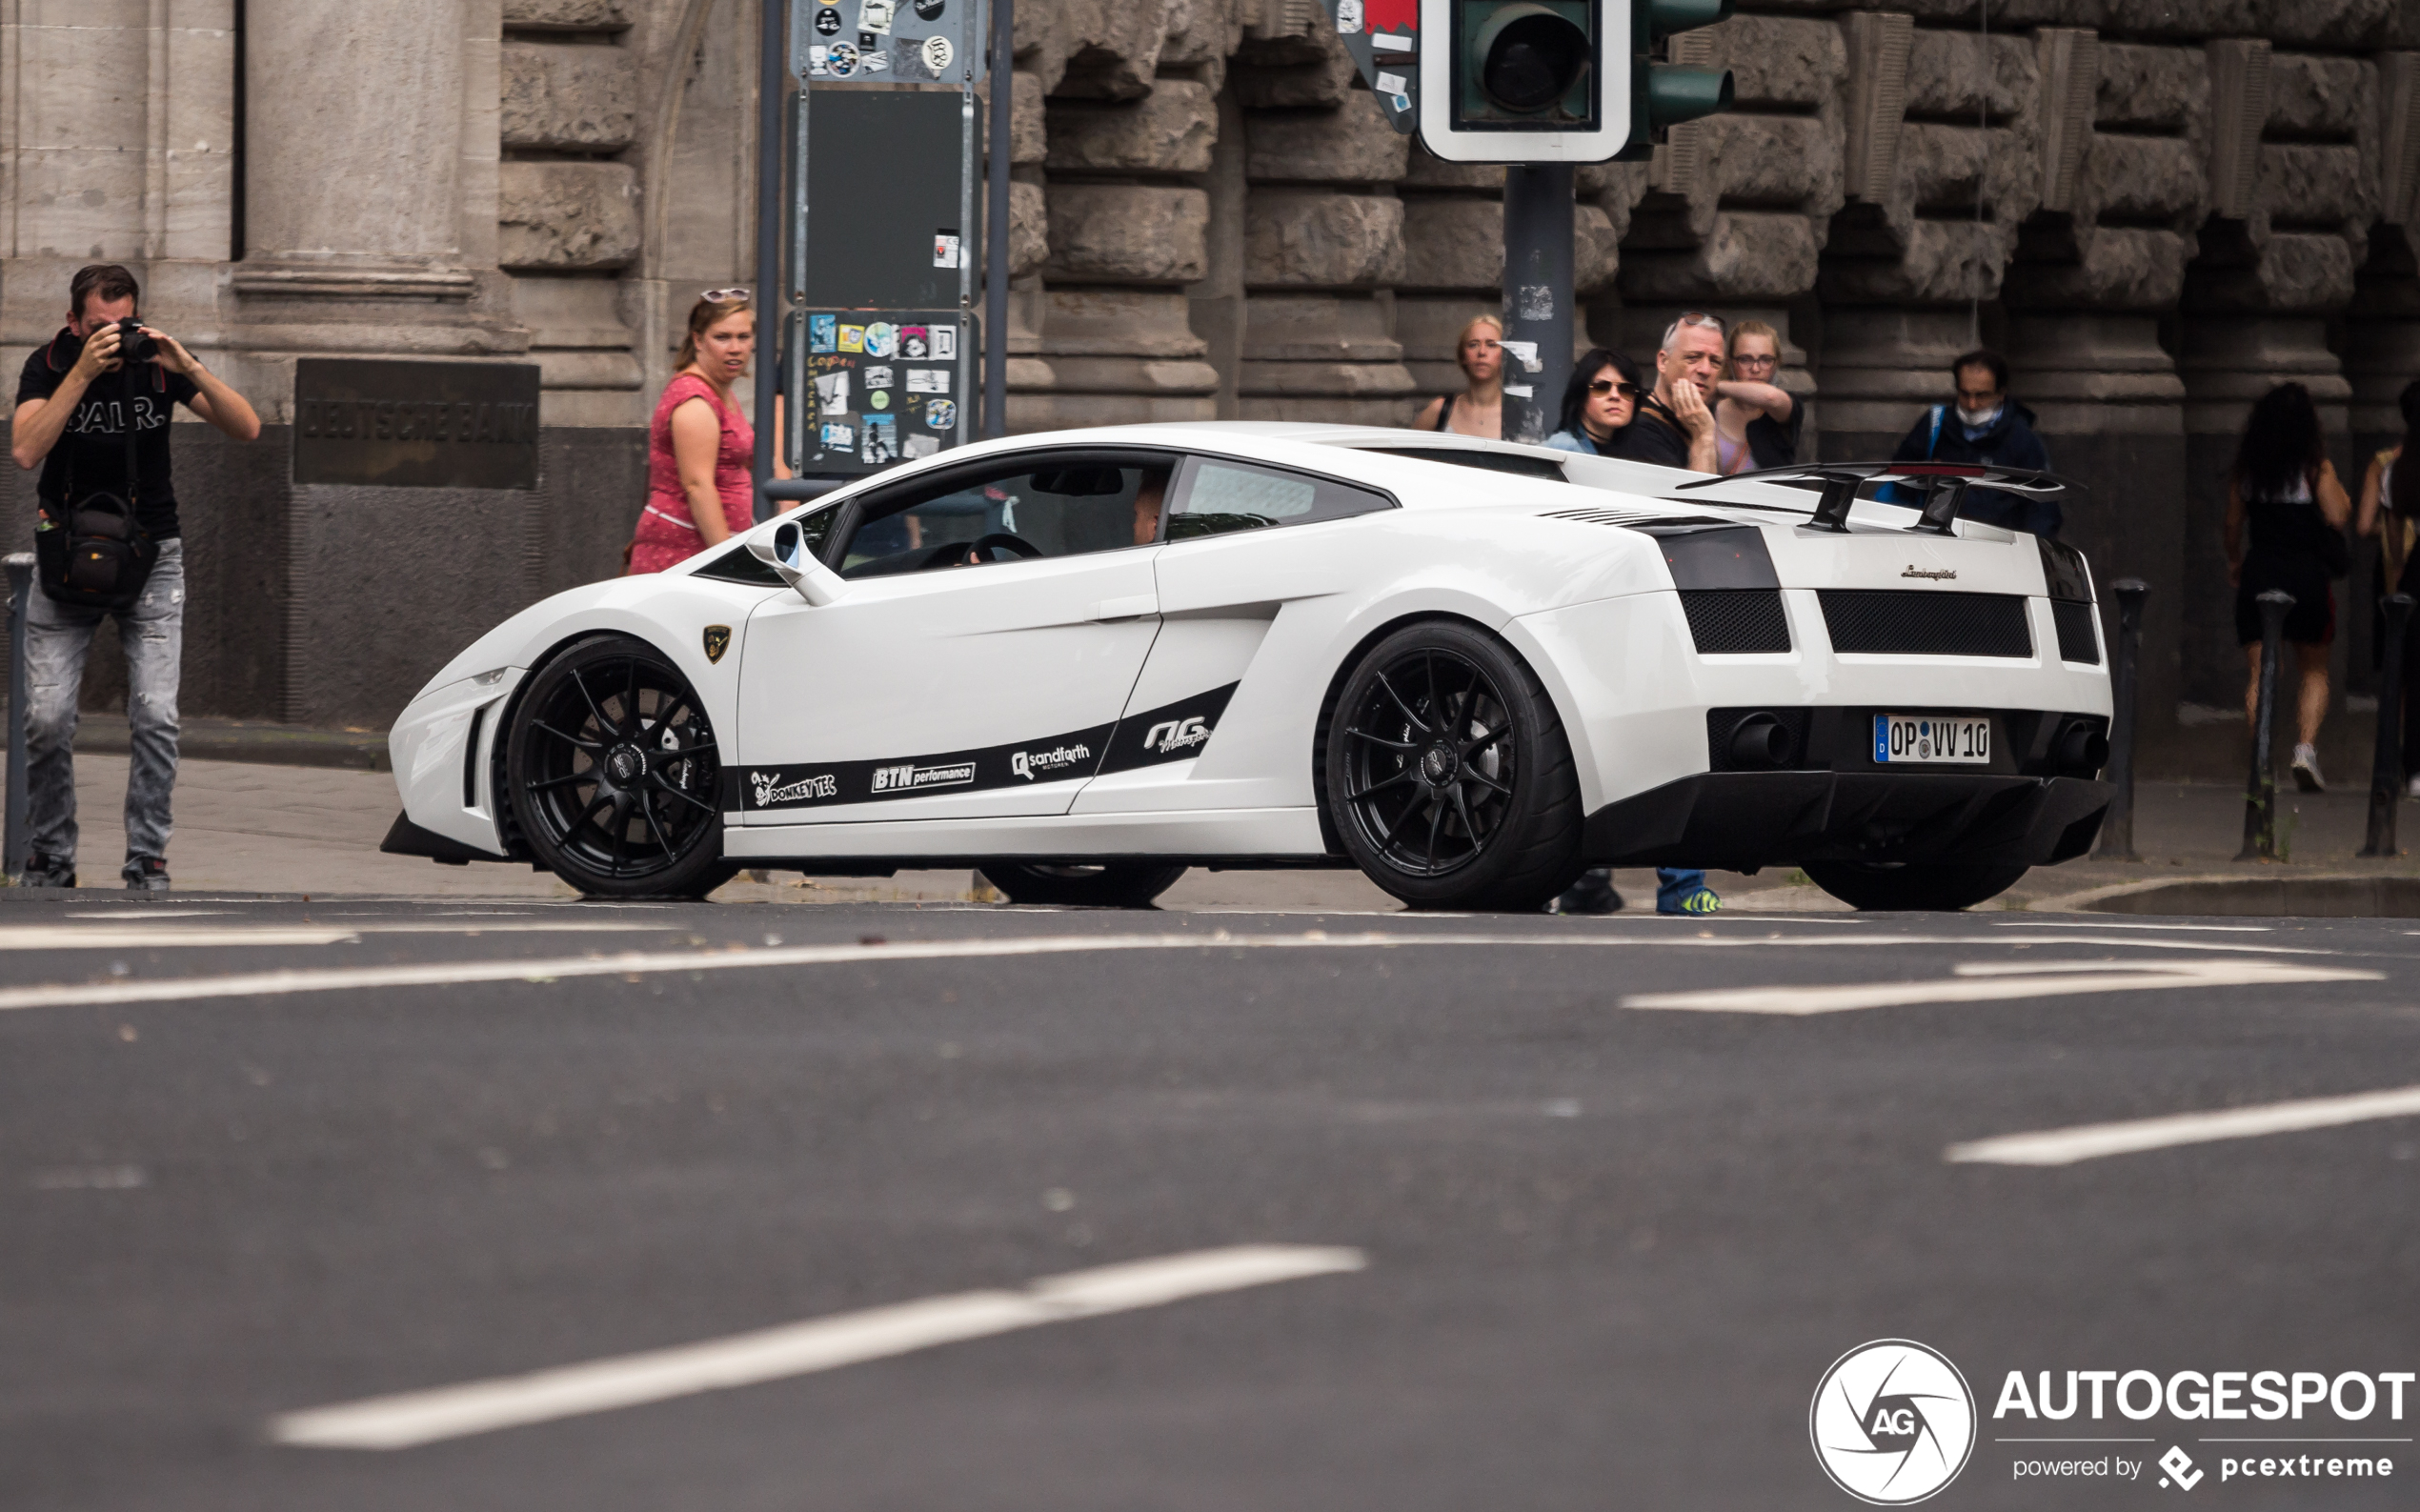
{"type": "Point", "coordinates": [1944, 484]}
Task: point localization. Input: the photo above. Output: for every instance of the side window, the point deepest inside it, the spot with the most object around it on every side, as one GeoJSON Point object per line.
{"type": "Point", "coordinates": [1221, 495]}
{"type": "Point", "coordinates": [1064, 509]}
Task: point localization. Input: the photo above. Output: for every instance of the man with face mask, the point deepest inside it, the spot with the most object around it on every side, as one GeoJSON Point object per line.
{"type": "Point", "coordinates": [1984, 426]}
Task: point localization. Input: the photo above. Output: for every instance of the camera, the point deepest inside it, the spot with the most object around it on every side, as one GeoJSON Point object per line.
{"type": "Point", "coordinates": [132, 345]}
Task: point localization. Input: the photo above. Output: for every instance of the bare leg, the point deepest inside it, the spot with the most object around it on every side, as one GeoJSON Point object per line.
{"type": "Point", "coordinates": [2313, 660]}
{"type": "Point", "coordinates": [2251, 686]}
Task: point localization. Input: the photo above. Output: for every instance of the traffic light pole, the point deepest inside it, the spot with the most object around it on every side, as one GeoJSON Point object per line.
{"type": "Point", "coordinates": [1537, 232]}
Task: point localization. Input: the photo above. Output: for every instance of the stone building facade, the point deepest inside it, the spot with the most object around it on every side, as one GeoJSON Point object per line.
{"type": "Point", "coordinates": [2157, 207]}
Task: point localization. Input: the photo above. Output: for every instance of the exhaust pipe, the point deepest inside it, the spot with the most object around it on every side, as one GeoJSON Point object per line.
{"type": "Point", "coordinates": [1759, 742]}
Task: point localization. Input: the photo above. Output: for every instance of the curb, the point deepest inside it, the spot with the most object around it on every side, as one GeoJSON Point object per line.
{"type": "Point", "coordinates": [204, 740]}
{"type": "Point", "coordinates": [2341, 895]}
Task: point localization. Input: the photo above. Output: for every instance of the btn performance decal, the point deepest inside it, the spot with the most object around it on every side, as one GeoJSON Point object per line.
{"type": "Point", "coordinates": [1174, 732]}
{"type": "Point", "coordinates": [718, 641]}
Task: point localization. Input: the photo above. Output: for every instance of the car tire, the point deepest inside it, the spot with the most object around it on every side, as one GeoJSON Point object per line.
{"type": "Point", "coordinates": [1448, 775]}
{"type": "Point", "coordinates": [1117, 885]}
{"type": "Point", "coordinates": [614, 774]}
{"type": "Point", "coordinates": [1912, 888]}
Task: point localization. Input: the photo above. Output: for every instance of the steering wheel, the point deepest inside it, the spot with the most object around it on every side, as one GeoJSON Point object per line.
{"type": "Point", "coordinates": [1014, 545]}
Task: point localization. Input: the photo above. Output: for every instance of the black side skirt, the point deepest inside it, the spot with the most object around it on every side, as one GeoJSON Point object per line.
{"type": "Point", "coordinates": [406, 839]}
{"type": "Point", "coordinates": [1743, 821]}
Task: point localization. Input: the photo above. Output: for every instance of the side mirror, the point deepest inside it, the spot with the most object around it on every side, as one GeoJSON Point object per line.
{"type": "Point", "coordinates": [785, 552]}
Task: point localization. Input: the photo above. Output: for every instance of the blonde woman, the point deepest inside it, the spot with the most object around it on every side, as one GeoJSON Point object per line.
{"type": "Point", "coordinates": [700, 449]}
{"type": "Point", "coordinates": [1479, 409]}
{"type": "Point", "coordinates": [1755, 419]}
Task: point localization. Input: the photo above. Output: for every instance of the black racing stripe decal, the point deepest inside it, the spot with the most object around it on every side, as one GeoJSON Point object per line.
{"type": "Point", "coordinates": [1173, 731]}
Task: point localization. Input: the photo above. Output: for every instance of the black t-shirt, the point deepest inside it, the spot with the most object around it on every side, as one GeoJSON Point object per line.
{"type": "Point", "coordinates": [92, 452]}
{"type": "Point", "coordinates": [1650, 437]}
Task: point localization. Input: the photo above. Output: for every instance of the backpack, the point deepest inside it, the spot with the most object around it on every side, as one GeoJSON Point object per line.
{"type": "Point", "coordinates": [99, 557]}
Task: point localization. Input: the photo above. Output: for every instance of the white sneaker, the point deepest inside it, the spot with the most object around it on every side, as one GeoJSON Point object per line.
{"type": "Point", "coordinates": [2307, 770]}
{"type": "Point", "coordinates": [2412, 788]}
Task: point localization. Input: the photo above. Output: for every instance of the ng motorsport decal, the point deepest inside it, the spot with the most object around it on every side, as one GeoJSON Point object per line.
{"type": "Point", "coordinates": [1175, 732]}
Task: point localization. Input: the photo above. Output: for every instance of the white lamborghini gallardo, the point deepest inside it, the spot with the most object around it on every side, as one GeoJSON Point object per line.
{"type": "Point", "coordinates": [1084, 661]}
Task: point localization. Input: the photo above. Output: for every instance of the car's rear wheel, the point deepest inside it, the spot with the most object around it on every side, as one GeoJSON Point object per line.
{"type": "Point", "coordinates": [613, 770]}
{"type": "Point", "coordinates": [1448, 774]}
{"type": "Point", "coordinates": [1117, 885]}
{"type": "Point", "coordinates": [1911, 887]}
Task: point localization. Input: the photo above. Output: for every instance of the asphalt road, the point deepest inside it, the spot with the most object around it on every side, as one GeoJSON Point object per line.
{"type": "Point", "coordinates": [1539, 1223]}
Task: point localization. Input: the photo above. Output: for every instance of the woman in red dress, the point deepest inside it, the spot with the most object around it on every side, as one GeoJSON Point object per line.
{"type": "Point", "coordinates": [700, 449]}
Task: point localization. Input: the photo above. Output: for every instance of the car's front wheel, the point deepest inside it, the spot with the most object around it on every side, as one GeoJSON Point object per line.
{"type": "Point", "coordinates": [612, 772]}
{"type": "Point", "coordinates": [1913, 887]}
{"type": "Point", "coordinates": [1448, 774]}
{"type": "Point", "coordinates": [1117, 885]}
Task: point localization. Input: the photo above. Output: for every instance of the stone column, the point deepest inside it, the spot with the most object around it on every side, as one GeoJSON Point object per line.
{"type": "Point", "coordinates": [370, 151]}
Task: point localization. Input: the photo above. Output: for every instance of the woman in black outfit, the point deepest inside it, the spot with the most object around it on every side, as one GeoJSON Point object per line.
{"type": "Point", "coordinates": [2285, 488]}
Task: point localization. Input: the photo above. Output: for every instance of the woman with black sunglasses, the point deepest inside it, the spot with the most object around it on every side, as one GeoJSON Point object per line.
{"type": "Point", "coordinates": [1600, 402]}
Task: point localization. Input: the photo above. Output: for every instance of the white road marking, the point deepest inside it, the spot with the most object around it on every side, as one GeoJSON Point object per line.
{"type": "Point", "coordinates": [740, 957]}
{"type": "Point", "coordinates": [2069, 923]}
{"type": "Point", "coordinates": [1997, 982]}
{"type": "Point", "coordinates": [116, 935]}
{"type": "Point", "coordinates": [2091, 1141]}
{"type": "Point", "coordinates": [796, 1349]}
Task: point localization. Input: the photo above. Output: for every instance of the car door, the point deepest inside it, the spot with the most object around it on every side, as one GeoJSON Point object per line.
{"type": "Point", "coordinates": [992, 622]}
{"type": "Point", "coordinates": [1259, 561]}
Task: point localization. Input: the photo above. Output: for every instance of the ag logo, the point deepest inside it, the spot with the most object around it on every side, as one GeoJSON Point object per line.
{"type": "Point", "coordinates": [1892, 1422]}
{"type": "Point", "coordinates": [718, 641]}
{"type": "Point", "coordinates": [1176, 734]}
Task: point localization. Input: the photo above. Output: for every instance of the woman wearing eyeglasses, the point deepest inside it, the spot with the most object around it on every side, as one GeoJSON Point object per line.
{"type": "Point", "coordinates": [700, 449]}
{"type": "Point", "coordinates": [1479, 411]}
{"type": "Point", "coordinates": [1755, 421]}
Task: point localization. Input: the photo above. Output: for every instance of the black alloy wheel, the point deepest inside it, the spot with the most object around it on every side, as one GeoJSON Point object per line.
{"type": "Point", "coordinates": [1117, 884]}
{"type": "Point", "coordinates": [1448, 774]}
{"type": "Point", "coordinates": [1914, 887]}
{"type": "Point", "coordinates": [613, 774]}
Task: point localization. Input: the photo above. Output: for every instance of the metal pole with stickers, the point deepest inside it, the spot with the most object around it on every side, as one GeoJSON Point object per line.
{"type": "Point", "coordinates": [877, 349]}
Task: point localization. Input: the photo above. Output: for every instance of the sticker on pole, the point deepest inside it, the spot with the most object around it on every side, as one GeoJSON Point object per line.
{"type": "Point", "coordinates": [1383, 38]}
{"type": "Point", "coordinates": [915, 41]}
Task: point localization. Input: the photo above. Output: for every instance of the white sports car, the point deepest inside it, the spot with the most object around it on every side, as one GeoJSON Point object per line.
{"type": "Point", "coordinates": [1084, 661]}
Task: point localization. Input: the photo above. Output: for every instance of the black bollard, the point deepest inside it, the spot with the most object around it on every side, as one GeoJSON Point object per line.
{"type": "Point", "coordinates": [2117, 826]}
{"type": "Point", "coordinates": [2260, 794]}
{"type": "Point", "coordinates": [2386, 772]}
{"type": "Point", "coordinates": [18, 843]}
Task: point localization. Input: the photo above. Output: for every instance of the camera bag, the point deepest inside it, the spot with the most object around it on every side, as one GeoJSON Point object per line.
{"type": "Point", "coordinates": [99, 557]}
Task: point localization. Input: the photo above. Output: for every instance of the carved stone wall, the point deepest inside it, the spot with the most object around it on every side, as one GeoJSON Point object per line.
{"type": "Point", "coordinates": [2158, 208]}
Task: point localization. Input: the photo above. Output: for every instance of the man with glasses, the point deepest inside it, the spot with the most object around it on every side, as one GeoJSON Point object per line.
{"type": "Point", "coordinates": [1987, 427]}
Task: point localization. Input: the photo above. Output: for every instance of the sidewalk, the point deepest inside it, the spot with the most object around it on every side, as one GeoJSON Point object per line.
{"type": "Point", "coordinates": [256, 827]}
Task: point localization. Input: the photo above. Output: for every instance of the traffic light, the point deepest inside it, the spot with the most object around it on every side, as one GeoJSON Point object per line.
{"type": "Point", "coordinates": [1661, 94]}
{"type": "Point", "coordinates": [1520, 81]}
{"type": "Point", "coordinates": [1555, 81]}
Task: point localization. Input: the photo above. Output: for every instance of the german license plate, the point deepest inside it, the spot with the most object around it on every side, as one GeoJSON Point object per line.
{"type": "Point", "coordinates": [1964, 738]}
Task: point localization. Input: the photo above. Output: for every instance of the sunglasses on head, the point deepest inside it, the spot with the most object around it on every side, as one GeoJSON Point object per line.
{"type": "Point", "coordinates": [726, 296]}
{"type": "Point", "coordinates": [1605, 386]}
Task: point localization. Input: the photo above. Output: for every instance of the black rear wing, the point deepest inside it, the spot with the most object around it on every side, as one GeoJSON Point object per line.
{"type": "Point", "coordinates": [1943, 485]}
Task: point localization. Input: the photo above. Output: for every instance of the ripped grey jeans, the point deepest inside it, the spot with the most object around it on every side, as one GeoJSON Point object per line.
{"type": "Point", "coordinates": [57, 638]}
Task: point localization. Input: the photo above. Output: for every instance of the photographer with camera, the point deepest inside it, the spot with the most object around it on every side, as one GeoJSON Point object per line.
{"type": "Point", "coordinates": [92, 412]}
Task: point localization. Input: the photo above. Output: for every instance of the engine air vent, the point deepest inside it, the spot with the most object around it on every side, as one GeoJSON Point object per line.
{"type": "Point", "coordinates": [1882, 622]}
{"type": "Point", "coordinates": [1736, 621]}
{"type": "Point", "coordinates": [1628, 517]}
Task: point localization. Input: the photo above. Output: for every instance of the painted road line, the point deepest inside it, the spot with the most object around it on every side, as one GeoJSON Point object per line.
{"type": "Point", "coordinates": [1995, 982]}
{"type": "Point", "coordinates": [2069, 923]}
{"type": "Point", "coordinates": [2091, 1141]}
{"type": "Point", "coordinates": [739, 957]}
{"type": "Point", "coordinates": [414, 1417]}
{"type": "Point", "coordinates": [118, 936]}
